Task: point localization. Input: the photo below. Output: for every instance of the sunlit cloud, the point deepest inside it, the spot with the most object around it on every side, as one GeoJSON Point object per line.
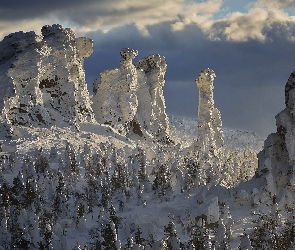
{"type": "Point", "coordinates": [254, 25]}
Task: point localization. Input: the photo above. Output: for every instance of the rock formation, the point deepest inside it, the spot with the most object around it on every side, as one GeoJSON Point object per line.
{"type": "Point", "coordinates": [151, 112]}
{"type": "Point", "coordinates": [130, 98]}
{"type": "Point", "coordinates": [210, 134]}
{"type": "Point", "coordinates": [115, 99]}
{"type": "Point", "coordinates": [42, 78]}
{"type": "Point", "coordinates": [277, 159]}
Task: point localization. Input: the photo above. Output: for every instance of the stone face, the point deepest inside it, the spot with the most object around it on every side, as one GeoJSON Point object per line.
{"type": "Point", "coordinates": [42, 78]}
{"type": "Point", "coordinates": [130, 98]}
{"type": "Point", "coordinates": [210, 134]}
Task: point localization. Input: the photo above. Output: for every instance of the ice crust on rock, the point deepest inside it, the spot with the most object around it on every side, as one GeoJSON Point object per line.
{"type": "Point", "coordinates": [130, 98]}
{"type": "Point", "coordinates": [42, 78]}
{"type": "Point", "coordinates": [210, 134]}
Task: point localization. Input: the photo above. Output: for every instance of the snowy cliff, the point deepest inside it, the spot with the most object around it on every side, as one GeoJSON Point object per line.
{"type": "Point", "coordinates": [276, 160]}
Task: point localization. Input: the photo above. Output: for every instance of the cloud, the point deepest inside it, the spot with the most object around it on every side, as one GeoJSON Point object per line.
{"type": "Point", "coordinates": [276, 3]}
{"type": "Point", "coordinates": [103, 14]}
{"type": "Point", "coordinates": [7, 27]}
{"type": "Point", "coordinates": [257, 24]}
{"type": "Point", "coordinates": [199, 14]}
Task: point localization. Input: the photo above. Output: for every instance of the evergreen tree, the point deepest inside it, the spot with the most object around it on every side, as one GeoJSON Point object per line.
{"type": "Point", "coordinates": [109, 236]}
{"type": "Point", "coordinates": [199, 235]}
{"type": "Point", "coordinates": [173, 243]}
{"type": "Point", "coordinates": [113, 217]}
{"type": "Point", "coordinates": [105, 190]}
{"type": "Point", "coordinates": [129, 243]}
{"type": "Point", "coordinates": [161, 183]}
{"type": "Point", "coordinates": [266, 233]}
{"type": "Point", "coordinates": [41, 163]}
{"type": "Point", "coordinates": [91, 191]}
{"type": "Point", "coordinates": [138, 239]}
{"type": "Point", "coordinates": [221, 237]}
{"type": "Point", "coordinates": [71, 164]}
{"type": "Point", "coordinates": [61, 184]}
{"type": "Point", "coordinates": [142, 174]}
{"type": "Point", "coordinates": [46, 222]}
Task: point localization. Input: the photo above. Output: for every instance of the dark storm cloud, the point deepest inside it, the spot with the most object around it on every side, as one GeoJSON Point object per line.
{"type": "Point", "coordinates": [93, 13]}
{"type": "Point", "coordinates": [30, 9]}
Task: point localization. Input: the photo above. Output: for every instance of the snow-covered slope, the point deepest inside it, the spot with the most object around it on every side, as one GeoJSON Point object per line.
{"type": "Point", "coordinates": [185, 129]}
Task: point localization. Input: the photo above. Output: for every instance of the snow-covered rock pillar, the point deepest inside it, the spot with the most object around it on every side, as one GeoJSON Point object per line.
{"type": "Point", "coordinates": [210, 134]}
{"type": "Point", "coordinates": [151, 108]}
{"type": "Point", "coordinates": [115, 100]}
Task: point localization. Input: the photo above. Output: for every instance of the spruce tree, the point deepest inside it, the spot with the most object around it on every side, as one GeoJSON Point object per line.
{"type": "Point", "coordinates": [138, 239]}
{"type": "Point", "coordinates": [109, 235]}
{"type": "Point", "coordinates": [199, 235]}
{"type": "Point", "coordinates": [161, 183]}
{"type": "Point", "coordinates": [41, 162]}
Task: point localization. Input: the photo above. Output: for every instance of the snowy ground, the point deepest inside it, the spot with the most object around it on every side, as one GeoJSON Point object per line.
{"type": "Point", "coordinates": [149, 212]}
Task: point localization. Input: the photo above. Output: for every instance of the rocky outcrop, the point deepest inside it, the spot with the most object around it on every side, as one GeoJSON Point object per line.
{"type": "Point", "coordinates": [277, 159]}
{"type": "Point", "coordinates": [210, 134]}
{"type": "Point", "coordinates": [42, 78]}
{"type": "Point", "coordinates": [130, 98]}
{"type": "Point", "coordinates": [151, 112]}
{"type": "Point", "coordinates": [115, 94]}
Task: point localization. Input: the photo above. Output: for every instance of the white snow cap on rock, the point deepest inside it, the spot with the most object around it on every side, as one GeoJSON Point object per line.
{"type": "Point", "coordinates": [43, 79]}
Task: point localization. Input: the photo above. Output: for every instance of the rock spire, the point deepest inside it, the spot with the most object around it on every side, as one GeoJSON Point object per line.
{"type": "Point", "coordinates": [210, 134]}
{"type": "Point", "coordinates": [115, 100]}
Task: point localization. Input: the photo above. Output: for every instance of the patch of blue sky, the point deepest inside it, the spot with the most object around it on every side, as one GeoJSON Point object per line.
{"type": "Point", "coordinates": [228, 7]}
{"type": "Point", "coordinates": [231, 6]}
{"type": "Point", "coordinates": [291, 11]}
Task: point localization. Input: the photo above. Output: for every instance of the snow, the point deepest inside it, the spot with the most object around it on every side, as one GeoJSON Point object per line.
{"type": "Point", "coordinates": [80, 178]}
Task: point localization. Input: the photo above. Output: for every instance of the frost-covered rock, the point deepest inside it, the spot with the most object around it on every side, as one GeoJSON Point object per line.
{"type": "Point", "coordinates": [151, 113]}
{"type": "Point", "coordinates": [277, 159]}
{"type": "Point", "coordinates": [115, 101]}
{"type": "Point", "coordinates": [42, 78]}
{"type": "Point", "coordinates": [210, 134]}
{"type": "Point", "coordinates": [130, 98]}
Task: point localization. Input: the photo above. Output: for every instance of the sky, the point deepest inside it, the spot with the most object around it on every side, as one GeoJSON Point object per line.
{"type": "Point", "coordinates": [249, 44]}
